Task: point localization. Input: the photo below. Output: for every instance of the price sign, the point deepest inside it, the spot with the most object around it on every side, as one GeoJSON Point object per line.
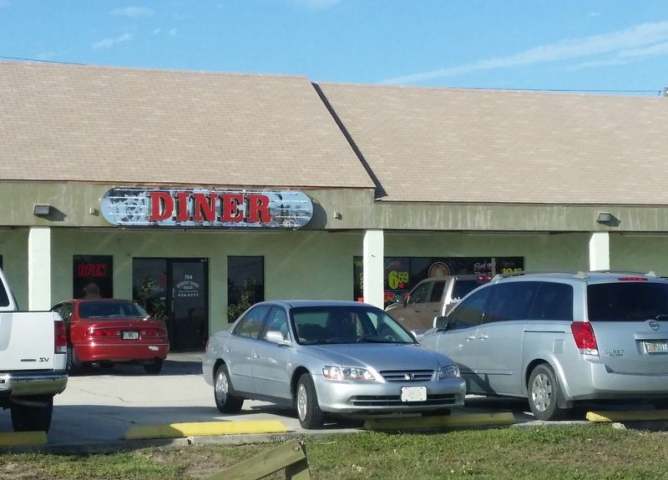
{"type": "Point", "coordinates": [397, 279]}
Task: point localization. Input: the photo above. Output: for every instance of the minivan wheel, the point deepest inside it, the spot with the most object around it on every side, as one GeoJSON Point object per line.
{"type": "Point", "coordinates": [308, 409]}
{"type": "Point", "coordinates": [226, 402]}
{"type": "Point", "coordinates": [544, 392]}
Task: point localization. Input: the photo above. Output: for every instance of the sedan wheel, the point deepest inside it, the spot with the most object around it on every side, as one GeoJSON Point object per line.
{"type": "Point", "coordinates": [308, 409]}
{"type": "Point", "coordinates": [544, 392]}
{"type": "Point", "coordinates": [226, 402]}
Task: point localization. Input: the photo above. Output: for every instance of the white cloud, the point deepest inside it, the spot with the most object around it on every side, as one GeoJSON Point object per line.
{"type": "Point", "coordinates": [651, 51]}
{"type": "Point", "coordinates": [110, 42]}
{"type": "Point", "coordinates": [133, 12]}
{"type": "Point", "coordinates": [157, 31]}
{"type": "Point", "coordinates": [633, 41]}
{"type": "Point", "coordinates": [172, 32]}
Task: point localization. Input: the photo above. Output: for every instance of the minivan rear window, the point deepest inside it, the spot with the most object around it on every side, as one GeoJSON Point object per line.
{"type": "Point", "coordinates": [627, 301]}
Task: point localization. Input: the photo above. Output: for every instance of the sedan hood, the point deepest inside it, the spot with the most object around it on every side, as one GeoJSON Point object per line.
{"type": "Point", "coordinates": [379, 356]}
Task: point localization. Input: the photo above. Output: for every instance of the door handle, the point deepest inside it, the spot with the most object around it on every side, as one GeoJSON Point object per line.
{"type": "Point", "coordinates": [470, 337]}
{"type": "Point", "coordinates": [255, 355]}
{"type": "Point", "coordinates": [483, 337]}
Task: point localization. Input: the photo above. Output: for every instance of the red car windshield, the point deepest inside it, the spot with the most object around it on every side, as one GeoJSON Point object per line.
{"type": "Point", "coordinates": [111, 309]}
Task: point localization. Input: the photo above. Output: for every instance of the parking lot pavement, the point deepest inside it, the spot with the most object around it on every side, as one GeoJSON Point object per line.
{"type": "Point", "coordinates": [98, 408]}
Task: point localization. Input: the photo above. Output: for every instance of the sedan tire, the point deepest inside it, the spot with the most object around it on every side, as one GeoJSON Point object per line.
{"type": "Point", "coordinates": [226, 402]}
{"type": "Point", "coordinates": [544, 392]}
{"type": "Point", "coordinates": [308, 409]}
{"type": "Point", "coordinates": [152, 368]}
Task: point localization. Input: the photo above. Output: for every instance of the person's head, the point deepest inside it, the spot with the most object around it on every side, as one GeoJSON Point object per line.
{"type": "Point", "coordinates": [91, 290]}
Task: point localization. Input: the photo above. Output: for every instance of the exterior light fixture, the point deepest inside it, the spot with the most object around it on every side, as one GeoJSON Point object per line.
{"type": "Point", "coordinates": [42, 210]}
{"type": "Point", "coordinates": [605, 218]}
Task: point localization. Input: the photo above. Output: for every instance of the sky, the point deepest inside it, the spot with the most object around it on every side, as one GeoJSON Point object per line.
{"type": "Point", "coordinates": [609, 46]}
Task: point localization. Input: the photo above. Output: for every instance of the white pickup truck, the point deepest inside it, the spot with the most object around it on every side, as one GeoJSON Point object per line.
{"type": "Point", "coordinates": [33, 355]}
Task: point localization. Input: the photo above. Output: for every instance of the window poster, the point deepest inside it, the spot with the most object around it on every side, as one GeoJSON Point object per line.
{"type": "Point", "coordinates": [403, 273]}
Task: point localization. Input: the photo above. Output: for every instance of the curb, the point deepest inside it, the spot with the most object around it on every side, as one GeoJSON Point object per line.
{"type": "Point", "coordinates": [201, 429]}
{"type": "Point", "coordinates": [454, 421]}
{"type": "Point", "coordinates": [21, 439]}
{"type": "Point", "coordinates": [628, 416]}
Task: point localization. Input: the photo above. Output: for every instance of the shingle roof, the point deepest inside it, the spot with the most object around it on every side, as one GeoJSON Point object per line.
{"type": "Point", "coordinates": [132, 126]}
{"type": "Point", "coordinates": [477, 146]}
{"type": "Point", "coordinates": [137, 126]}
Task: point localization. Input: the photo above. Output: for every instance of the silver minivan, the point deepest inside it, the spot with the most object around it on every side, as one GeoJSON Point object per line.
{"type": "Point", "coordinates": [558, 339]}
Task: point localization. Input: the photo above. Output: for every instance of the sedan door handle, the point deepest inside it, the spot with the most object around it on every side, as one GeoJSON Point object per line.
{"type": "Point", "coordinates": [483, 337]}
{"type": "Point", "coordinates": [255, 355]}
{"type": "Point", "coordinates": [470, 337]}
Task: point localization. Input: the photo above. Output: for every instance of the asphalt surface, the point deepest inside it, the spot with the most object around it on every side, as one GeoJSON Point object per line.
{"type": "Point", "coordinates": [99, 408]}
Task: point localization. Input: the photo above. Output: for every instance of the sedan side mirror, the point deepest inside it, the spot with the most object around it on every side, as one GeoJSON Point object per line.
{"type": "Point", "coordinates": [441, 323]}
{"type": "Point", "coordinates": [276, 337]}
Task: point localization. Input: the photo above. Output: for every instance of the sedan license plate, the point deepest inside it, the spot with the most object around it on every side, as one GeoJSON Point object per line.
{"type": "Point", "coordinates": [130, 335]}
{"type": "Point", "coordinates": [413, 394]}
{"type": "Point", "coordinates": [656, 347]}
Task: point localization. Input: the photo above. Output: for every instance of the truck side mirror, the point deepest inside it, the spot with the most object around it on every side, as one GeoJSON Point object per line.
{"type": "Point", "coordinates": [441, 323]}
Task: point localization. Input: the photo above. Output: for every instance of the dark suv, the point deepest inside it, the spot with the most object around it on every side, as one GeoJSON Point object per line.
{"type": "Point", "coordinates": [431, 298]}
{"type": "Point", "coordinates": [558, 339]}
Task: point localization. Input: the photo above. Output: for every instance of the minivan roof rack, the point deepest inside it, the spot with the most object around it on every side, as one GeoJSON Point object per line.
{"type": "Point", "coordinates": [650, 273]}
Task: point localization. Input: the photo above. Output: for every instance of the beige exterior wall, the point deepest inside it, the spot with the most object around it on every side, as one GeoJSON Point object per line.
{"type": "Point", "coordinates": [317, 261]}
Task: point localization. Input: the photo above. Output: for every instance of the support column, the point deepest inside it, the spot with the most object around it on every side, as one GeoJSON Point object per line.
{"type": "Point", "coordinates": [39, 268]}
{"type": "Point", "coordinates": [599, 251]}
{"type": "Point", "coordinates": [373, 264]}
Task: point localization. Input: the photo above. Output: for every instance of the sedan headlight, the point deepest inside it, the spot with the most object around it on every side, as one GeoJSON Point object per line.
{"type": "Point", "coordinates": [348, 373]}
{"type": "Point", "coordinates": [449, 371]}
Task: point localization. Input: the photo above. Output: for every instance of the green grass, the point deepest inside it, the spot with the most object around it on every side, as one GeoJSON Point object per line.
{"type": "Point", "coordinates": [575, 452]}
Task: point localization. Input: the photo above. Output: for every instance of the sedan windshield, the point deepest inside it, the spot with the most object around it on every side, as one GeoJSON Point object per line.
{"type": "Point", "coordinates": [344, 324]}
{"type": "Point", "coordinates": [111, 309]}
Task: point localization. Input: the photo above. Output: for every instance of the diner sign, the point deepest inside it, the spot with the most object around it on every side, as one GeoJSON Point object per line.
{"type": "Point", "coordinates": [197, 207]}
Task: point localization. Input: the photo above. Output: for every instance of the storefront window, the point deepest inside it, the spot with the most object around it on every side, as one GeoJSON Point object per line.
{"type": "Point", "coordinates": [93, 276]}
{"type": "Point", "coordinates": [149, 285]}
{"type": "Point", "coordinates": [403, 273]}
{"type": "Point", "coordinates": [245, 284]}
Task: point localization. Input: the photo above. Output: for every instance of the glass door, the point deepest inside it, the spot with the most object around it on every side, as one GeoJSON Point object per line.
{"type": "Point", "coordinates": [175, 290]}
{"type": "Point", "coordinates": [189, 303]}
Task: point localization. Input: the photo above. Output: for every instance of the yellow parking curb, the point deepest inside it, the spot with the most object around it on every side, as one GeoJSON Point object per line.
{"type": "Point", "coordinates": [629, 416]}
{"type": "Point", "coordinates": [450, 421]}
{"type": "Point", "coordinates": [19, 439]}
{"type": "Point", "coordinates": [176, 430]}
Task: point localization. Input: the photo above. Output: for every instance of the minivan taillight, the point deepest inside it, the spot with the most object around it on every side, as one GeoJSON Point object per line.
{"type": "Point", "coordinates": [60, 334]}
{"type": "Point", "coordinates": [585, 339]}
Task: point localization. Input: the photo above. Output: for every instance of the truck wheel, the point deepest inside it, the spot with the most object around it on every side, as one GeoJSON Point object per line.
{"type": "Point", "coordinates": [32, 418]}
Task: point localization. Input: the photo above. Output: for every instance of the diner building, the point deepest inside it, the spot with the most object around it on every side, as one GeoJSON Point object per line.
{"type": "Point", "coordinates": [199, 193]}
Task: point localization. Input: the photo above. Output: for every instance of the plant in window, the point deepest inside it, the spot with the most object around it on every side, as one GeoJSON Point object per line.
{"type": "Point", "coordinates": [148, 295]}
{"type": "Point", "coordinates": [250, 294]}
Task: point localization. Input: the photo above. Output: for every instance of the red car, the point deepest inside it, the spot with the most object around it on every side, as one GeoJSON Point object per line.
{"type": "Point", "coordinates": [108, 331]}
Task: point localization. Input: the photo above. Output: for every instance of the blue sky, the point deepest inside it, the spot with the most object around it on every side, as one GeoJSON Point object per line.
{"type": "Point", "coordinates": [580, 45]}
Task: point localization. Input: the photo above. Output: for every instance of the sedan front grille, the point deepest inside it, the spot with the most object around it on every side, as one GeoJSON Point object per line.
{"type": "Point", "coordinates": [395, 401]}
{"type": "Point", "coordinates": [407, 375]}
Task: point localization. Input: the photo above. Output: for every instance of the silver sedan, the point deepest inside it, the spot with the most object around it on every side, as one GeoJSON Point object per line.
{"type": "Point", "coordinates": [328, 357]}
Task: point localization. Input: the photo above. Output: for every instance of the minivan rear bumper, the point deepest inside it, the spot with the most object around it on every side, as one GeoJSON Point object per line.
{"type": "Point", "coordinates": [606, 385]}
